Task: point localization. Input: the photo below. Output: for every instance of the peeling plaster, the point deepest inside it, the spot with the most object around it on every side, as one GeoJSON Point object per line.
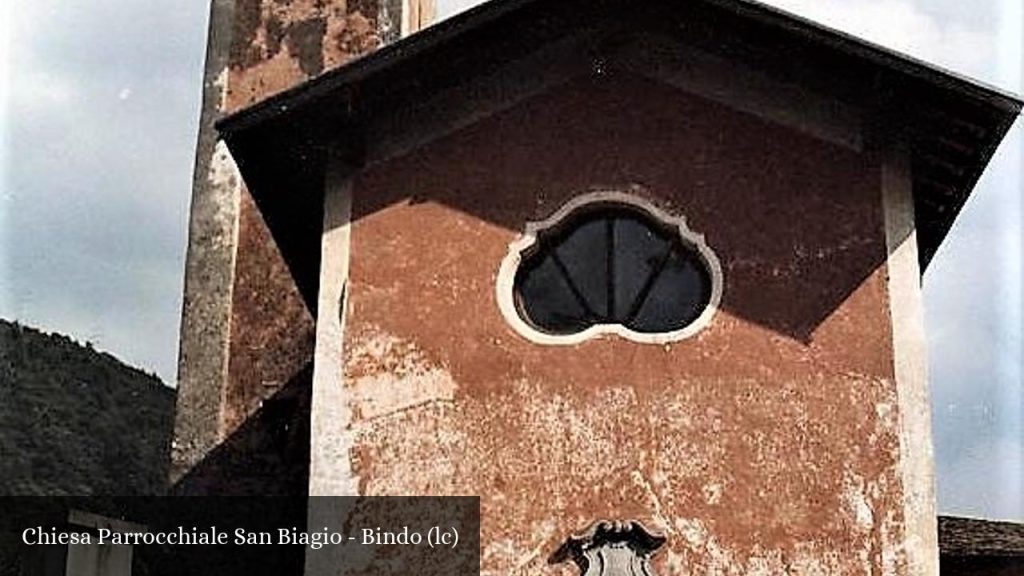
{"type": "Point", "coordinates": [581, 456]}
{"type": "Point", "coordinates": [279, 44]}
{"type": "Point", "coordinates": [388, 376]}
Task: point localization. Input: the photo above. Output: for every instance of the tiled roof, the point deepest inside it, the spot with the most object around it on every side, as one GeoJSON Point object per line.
{"type": "Point", "coordinates": [975, 537]}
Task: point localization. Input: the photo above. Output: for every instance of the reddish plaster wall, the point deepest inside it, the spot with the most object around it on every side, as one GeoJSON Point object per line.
{"type": "Point", "coordinates": [767, 443]}
{"type": "Point", "coordinates": [272, 330]}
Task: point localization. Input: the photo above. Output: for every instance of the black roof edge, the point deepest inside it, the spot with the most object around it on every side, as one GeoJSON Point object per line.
{"type": "Point", "coordinates": [927, 250]}
{"type": "Point", "coordinates": [999, 98]}
{"type": "Point", "coordinates": [452, 28]}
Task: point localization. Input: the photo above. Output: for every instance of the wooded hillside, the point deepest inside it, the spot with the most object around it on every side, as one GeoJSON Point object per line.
{"type": "Point", "coordinates": [76, 421]}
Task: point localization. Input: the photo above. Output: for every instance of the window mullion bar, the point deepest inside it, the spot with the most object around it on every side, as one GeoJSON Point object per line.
{"type": "Point", "coordinates": [610, 261]}
{"type": "Point", "coordinates": [572, 285]}
{"type": "Point", "coordinates": [645, 291]}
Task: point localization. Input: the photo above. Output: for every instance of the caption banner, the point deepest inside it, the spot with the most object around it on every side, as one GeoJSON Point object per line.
{"type": "Point", "coordinates": [239, 535]}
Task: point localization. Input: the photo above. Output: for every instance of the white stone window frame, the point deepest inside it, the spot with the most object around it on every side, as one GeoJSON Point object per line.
{"type": "Point", "coordinates": [606, 197]}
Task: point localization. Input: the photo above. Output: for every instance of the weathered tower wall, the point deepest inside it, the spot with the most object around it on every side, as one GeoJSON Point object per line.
{"type": "Point", "coordinates": [246, 332]}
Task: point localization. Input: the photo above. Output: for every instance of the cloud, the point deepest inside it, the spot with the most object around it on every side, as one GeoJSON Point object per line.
{"type": "Point", "coordinates": [449, 8]}
{"type": "Point", "coordinates": [101, 122]}
{"type": "Point", "coordinates": [959, 40]}
{"type": "Point", "coordinates": [983, 479]}
{"type": "Point", "coordinates": [973, 303]}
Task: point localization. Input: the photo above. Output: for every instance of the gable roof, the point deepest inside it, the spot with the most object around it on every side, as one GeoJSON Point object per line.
{"type": "Point", "coordinates": [954, 124]}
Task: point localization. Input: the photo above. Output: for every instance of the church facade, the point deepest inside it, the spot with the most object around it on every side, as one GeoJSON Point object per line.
{"type": "Point", "coordinates": [649, 264]}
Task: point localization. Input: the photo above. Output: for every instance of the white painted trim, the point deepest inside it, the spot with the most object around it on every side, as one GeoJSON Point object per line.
{"type": "Point", "coordinates": [906, 310]}
{"type": "Point", "coordinates": [416, 15]}
{"type": "Point", "coordinates": [227, 178]}
{"type": "Point", "coordinates": [206, 318]}
{"type": "Point", "coordinates": [331, 434]}
{"type": "Point", "coordinates": [405, 26]}
{"type": "Point", "coordinates": [330, 468]}
{"type": "Point", "coordinates": [510, 264]}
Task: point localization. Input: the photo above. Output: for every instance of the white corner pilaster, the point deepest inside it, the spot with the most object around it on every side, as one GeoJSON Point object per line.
{"type": "Point", "coordinates": [910, 364]}
{"type": "Point", "coordinates": [330, 469]}
{"type": "Point", "coordinates": [205, 334]}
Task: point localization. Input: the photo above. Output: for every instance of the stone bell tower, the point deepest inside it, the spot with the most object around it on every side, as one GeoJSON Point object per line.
{"type": "Point", "coordinates": [246, 332]}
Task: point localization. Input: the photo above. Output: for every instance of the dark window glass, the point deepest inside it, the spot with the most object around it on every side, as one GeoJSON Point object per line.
{"type": "Point", "coordinates": [611, 265]}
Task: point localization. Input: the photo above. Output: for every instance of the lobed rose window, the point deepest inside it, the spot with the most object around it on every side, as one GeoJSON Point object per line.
{"type": "Point", "coordinates": [608, 264]}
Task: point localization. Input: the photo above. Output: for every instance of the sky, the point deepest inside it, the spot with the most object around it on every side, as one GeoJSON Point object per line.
{"type": "Point", "coordinates": [99, 107]}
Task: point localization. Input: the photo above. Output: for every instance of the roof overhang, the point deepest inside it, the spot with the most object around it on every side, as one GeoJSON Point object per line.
{"type": "Point", "coordinates": [952, 125]}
